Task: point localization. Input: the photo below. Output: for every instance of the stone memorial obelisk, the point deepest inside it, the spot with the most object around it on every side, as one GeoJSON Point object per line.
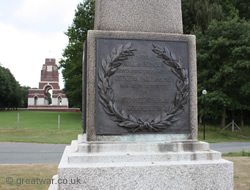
{"type": "Point", "coordinates": [141, 105]}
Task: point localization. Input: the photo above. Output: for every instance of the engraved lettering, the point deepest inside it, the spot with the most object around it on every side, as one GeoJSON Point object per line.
{"type": "Point", "coordinates": [142, 86]}
{"type": "Point", "coordinates": [142, 100]}
{"type": "Point", "coordinates": [144, 108]}
{"type": "Point", "coordinates": [125, 78]}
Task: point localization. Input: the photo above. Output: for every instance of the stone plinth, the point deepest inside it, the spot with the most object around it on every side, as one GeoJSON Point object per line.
{"type": "Point", "coordinates": [142, 166]}
{"type": "Point", "coordinates": [154, 151]}
{"type": "Point", "coordinates": [92, 89]}
{"type": "Point", "coordinates": [142, 161]}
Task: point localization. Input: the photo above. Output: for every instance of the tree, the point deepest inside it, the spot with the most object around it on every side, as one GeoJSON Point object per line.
{"type": "Point", "coordinates": [199, 13]}
{"type": "Point", "coordinates": [73, 53]}
{"type": "Point", "coordinates": [243, 7]}
{"type": "Point", "coordinates": [222, 51]}
{"type": "Point", "coordinates": [197, 16]}
{"type": "Point", "coordinates": [223, 66]}
{"type": "Point", "coordinates": [24, 91]}
{"type": "Point", "coordinates": [9, 90]}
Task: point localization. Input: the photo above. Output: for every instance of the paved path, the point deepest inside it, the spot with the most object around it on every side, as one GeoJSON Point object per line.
{"type": "Point", "coordinates": [230, 146]}
{"type": "Point", "coordinates": [32, 153]}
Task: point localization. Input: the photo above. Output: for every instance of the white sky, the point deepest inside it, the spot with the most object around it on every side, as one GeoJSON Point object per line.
{"type": "Point", "coordinates": [30, 31]}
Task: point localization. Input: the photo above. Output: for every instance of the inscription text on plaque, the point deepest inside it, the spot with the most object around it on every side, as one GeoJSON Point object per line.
{"type": "Point", "coordinates": [142, 86]}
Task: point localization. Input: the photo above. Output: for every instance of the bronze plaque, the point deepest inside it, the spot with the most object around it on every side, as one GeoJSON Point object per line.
{"type": "Point", "coordinates": [84, 86]}
{"type": "Point", "coordinates": [142, 86]}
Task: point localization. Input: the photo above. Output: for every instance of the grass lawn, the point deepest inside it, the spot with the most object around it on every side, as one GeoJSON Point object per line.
{"type": "Point", "coordinates": [39, 126]}
{"type": "Point", "coordinates": [26, 171]}
{"type": "Point", "coordinates": [42, 127]}
{"type": "Point", "coordinates": [237, 154]}
{"type": "Point", "coordinates": [241, 172]}
{"type": "Point", "coordinates": [46, 171]}
{"type": "Point", "coordinates": [214, 134]}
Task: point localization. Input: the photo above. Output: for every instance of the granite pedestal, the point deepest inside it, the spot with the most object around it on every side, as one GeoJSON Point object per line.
{"type": "Point", "coordinates": [143, 157]}
{"type": "Point", "coordinates": [144, 166]}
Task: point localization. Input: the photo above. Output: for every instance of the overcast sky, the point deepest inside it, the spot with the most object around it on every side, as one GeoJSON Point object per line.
{"type": "Point", "coordinates": [30, 31]}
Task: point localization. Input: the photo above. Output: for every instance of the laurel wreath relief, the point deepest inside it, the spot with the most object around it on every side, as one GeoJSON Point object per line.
{"type": "Point", "coordinates": [106, 94]}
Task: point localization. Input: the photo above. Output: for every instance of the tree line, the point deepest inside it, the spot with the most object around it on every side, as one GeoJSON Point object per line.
{"type": "Point", "coordinates": [12, 95]}
{"type": "Point", "coordinates": [222, 30]}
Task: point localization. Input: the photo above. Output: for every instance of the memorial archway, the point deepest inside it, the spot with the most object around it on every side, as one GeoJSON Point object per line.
{"type": "Point", "coordinates": [48, 91]}
{"type": "Point", "coordinates": [48, 94]}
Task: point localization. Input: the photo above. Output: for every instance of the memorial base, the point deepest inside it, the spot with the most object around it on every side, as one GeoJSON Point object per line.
{"type": "Point", "coordinates": [141, 166]}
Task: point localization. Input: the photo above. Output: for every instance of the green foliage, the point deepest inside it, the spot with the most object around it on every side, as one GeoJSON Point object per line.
{"type": "Point", "coordinates": [243, 8]}
{"type": "Point", "coordinates": [222, 52]}
{"type": "Point", "coordinates": [237, 154]}
{"type": "Point", "coordinates": [223, 65]}
{"type": "Point", "coordinates": [73, 53]}
{"type": "Point", "coordinates": [199, 13]}
{"type": "Point", "coordinates": [24, 91]}
{"type": "Point", "coordinates": [9, 89]}
{"type": "Point", "coordinates": [12, 95]}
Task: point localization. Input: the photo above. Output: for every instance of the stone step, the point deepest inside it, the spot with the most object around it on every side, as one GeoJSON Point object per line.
{"type": "Point", "coordinates": [187, 146]}
{"type": "Point", "coordinates": [185, 175]}
{"type": "Point", "coordinates": [142, 157]}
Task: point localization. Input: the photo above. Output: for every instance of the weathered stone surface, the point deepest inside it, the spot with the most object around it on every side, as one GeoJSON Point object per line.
{"type": "Point", "coordinates": [91, 86]}
{"type": "Point", "coordinates": [202, 175]}
{"type": "Point", "coordinates": [161, 146]}
{"type": "Point", "coordinates": [162, 16]}
{"type": "Point", "coordinates": [93, 153]}
{"type": "Point", "coordinates": [181, 165]}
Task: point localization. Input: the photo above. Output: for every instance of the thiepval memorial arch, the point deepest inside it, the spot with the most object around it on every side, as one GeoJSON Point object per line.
{"type": "Point", "coordinates": [40, 98]}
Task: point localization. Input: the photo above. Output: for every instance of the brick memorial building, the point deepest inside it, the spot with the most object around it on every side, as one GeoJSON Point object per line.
{"type": "Point", "coordinates": [38, 99]}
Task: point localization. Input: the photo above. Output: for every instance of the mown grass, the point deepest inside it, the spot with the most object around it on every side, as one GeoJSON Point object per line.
{"type": "Point", "coordinates": [42, 127]}
{"type": "Point", "coordinates": [38, 135]}
{"type": "Point", "coordinates": [237, 154]}
{"type": "Point", "coordinates": [214, 134]}
{"type": "Point", "coordinates": [39, 127]}
{"type": "Point", "coordinates": [241, 172]}
{"type": "Point", "coordinates": [40, 120]}
{"type": "Point", "coordinates": [24, 175]}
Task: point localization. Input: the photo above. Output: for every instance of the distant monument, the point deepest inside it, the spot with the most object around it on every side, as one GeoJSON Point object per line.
{"type": "Point", "coordinates": [38, 99]}
{"type": "Point", "coordinates": [140, 106]}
